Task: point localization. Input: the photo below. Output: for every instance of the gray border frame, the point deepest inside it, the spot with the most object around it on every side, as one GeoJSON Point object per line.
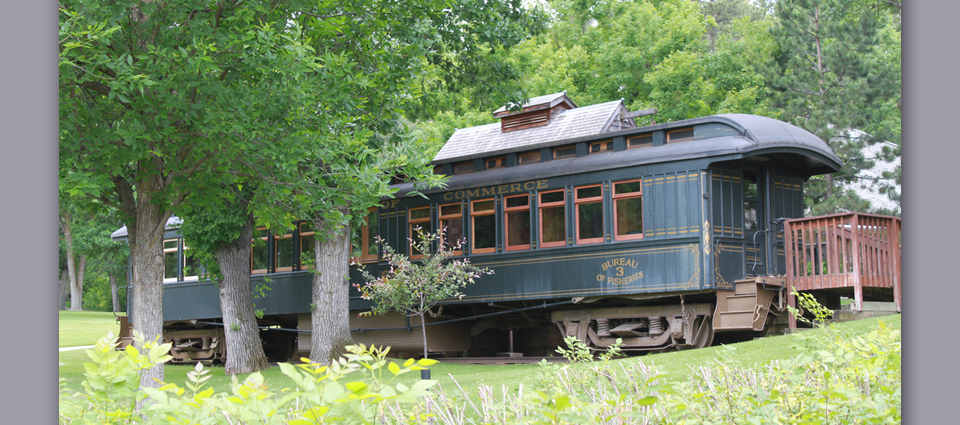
{"type": "Point", "coordinates": [930, 93]}
{"type": "Point", "coordinates": [28, 118]}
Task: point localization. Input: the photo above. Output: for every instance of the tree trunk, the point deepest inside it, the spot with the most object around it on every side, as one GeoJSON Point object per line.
{"type": "Point", "coordinates": [76, 289]}
{"type": "Point", "coordinates": [113, 291]}
{"type": "Point", "coordinates": [821, 71]}
{"type": "Point", "coordinates": [145, 235]}
{"type": "Point", "coordinates": [330, 317]}
{"type": "Point", "coordinates": [244, 349]}
{"type": "Point", "coordinates": [64, 290]}
{"type": "Point", "coordinates": [76, 301]}
{"type": "Point", "coordinates": [423, 322]}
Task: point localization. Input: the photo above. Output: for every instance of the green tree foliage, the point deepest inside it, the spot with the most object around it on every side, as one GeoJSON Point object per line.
{"type": "Point", "coordinates": [414, 288]}
{"type": "Point", "coordinates": [825, 83]}
{"type": "Point", "coordinates": [636, 38]}
{"type": "Point", "coordinates": [728, 79]}
{"type": "Point", "coordinates": [375, 54]}
{"type": "Point", "coordinates": [92, 262]}
{"type": "Point", "coordinates": [157, 99]}
{"type": "Point", "coordinates": [469, 67]}
{"type": "Point", "coordinates": [726, 13]}
{"type": "Point", "coordinates": [886, 126]}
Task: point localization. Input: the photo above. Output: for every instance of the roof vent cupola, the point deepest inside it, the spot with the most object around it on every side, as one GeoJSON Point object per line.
{"type": "Point", "coordinates": [535, 113]}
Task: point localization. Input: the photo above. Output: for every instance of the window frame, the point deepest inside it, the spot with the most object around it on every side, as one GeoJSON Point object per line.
{"type": "Point", "coordinates": [683, 139]}
{"type": "Point", "coordinates": [647, 141]}
{"type": "Point", "coordinates": [416, 222]}
{"type": "Point", "coordinates": [577, 203]}
{"type": "Point", "coordinates": [176, 251]}
{"type": "Point", "coordinates": [557, 149]}
{"type": "Point", "coordinates": [276, 252]}
{"type": "Point", "coordinates": [604, 146]}
{"type": "Point", "coordinates": [266, 241]}
{"type": "Point", "coordinates": [365, 237]}
{"type": "Point", "coordinates": [506, 223]}
{"type": "Point", "coordinates": [499, 162]}
{"type": "Point", "coordinates": [628, 195]}
{"type": "Point", "coordinates": [473, 233]}
{"type": "Point", "coordinates": [183, 265]}
{"type": "Point", "coordinates": [300, 239]}
{"type": "Point", "coordinates": [442, 217]}
{"type": "Point", "coordinates": [529, 157]}
{"type": "Point", "coordinates": [465, 167]}
{"type": "Point", "coordinates": [541, 205]}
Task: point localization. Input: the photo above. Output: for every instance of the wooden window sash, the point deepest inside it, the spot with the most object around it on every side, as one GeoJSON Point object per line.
{"type": "Point", "coordinates": [473, 234]}
{"type": "Point", "coordinates": [643, 141]}
{"type": "Point", "coordinates": [184, 262]}
{"type": "Point", "coordinates": [413, 223]}
{"type": "Point", "coordinates": [558, 155]}
{"type": "Point", "coordinates": [444, 218]}
{"type": "Point", "coordinates": [670, 139]}
{"type": "Point", "coordinates": [531, 157]}
{"type": "Point", "coordinates": [581, 201]}
{"type": "Point", "coordinates": [265, 240]}
{"type": "Point", "coordinates": [626, 195]}
{"type": "Point", "coordinates": [168, 251]}
{"type": "Point", "coordinates": [498, 162]}
{"type": "Point", "coordinates": [365, 238]}
{"type": "Point", "coordinates": [506, 223]}
{"type": "Point", "coordinates": [304, 235]}
{"type": "Point", "coordinates": [544, 205]}
{"type": "Point", "coordinates": [276, 253]}
{"type": "Point", "coordinates": [604, 146]}
{"type": "Point", "coordinates": [463, 168]}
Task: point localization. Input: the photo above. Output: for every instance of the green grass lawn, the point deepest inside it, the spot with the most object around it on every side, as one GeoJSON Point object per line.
{"type": "Point", "coordinates": [675, 365]}
{"type": "Point", "coordinates": [85, 327]}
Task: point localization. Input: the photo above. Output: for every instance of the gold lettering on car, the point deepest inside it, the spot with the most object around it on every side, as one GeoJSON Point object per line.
{"type": "Point", "coordinates": [495, 190]}
{"type": "Point", "coordinates": [624, 271]}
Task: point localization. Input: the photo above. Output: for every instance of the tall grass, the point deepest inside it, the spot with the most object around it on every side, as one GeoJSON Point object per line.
{"type": "Point", "coordinates": [840, 374]}
{"type": "Point", "coordinates": [675, 366]}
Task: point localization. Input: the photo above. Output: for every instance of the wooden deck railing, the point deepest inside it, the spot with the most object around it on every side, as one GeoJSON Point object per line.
{"type": "Point", "coordinates": [850, 250]}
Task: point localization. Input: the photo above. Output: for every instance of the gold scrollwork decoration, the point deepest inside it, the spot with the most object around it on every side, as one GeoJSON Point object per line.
{"type": "Point", "coordinates": [694, 281]}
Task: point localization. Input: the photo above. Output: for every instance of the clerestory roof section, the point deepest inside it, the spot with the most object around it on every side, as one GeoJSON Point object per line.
{"type": "Point", "coordinates": [485, 140]}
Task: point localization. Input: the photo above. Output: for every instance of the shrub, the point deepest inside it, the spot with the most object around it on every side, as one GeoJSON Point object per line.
{"type": "Point", "coordinates": [838, 378]}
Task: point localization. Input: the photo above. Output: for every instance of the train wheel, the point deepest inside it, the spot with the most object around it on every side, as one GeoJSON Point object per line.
{"type": "Point", "coordinates": [706, 337]}
{"type": "Point", "coordinates": [704, 333]}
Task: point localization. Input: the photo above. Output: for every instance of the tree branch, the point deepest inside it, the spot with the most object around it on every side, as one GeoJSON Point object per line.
{"type": "Point", "coordinates": [191, 170]}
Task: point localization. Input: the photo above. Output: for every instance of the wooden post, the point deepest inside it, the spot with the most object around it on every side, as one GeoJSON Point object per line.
{"type": "Point", "coordinates": [789, 244]}
{"type": "Point", "coordinates": [894, 243]}
{"type": "Point", "coordinates": [857, 286]}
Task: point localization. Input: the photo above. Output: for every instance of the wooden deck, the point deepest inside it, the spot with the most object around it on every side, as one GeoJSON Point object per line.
{"type": "Point", "coordinates": [852, 250]}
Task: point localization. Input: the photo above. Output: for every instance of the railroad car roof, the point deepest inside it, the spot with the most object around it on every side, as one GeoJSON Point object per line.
{"type": "Point", "coordinates": [172, 226]}
{"type": "Point", "coordinates": [754, 136]}
{"type": "Point", "coordinates": [473, 142]}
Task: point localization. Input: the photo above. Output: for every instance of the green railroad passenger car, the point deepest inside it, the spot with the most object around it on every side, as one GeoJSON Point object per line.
{"type": "Point", "coordinates": [663, 235]}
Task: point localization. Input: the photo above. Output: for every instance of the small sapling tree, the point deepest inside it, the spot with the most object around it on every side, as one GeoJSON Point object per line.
{"type": "Point", "coordinates": [414, 288]}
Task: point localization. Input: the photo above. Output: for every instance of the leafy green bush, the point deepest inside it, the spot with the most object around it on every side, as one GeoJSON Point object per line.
{"type": "Point", "coordinates": [838, 378]}
{"type": "Point", "coordinates": [323, 394]}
